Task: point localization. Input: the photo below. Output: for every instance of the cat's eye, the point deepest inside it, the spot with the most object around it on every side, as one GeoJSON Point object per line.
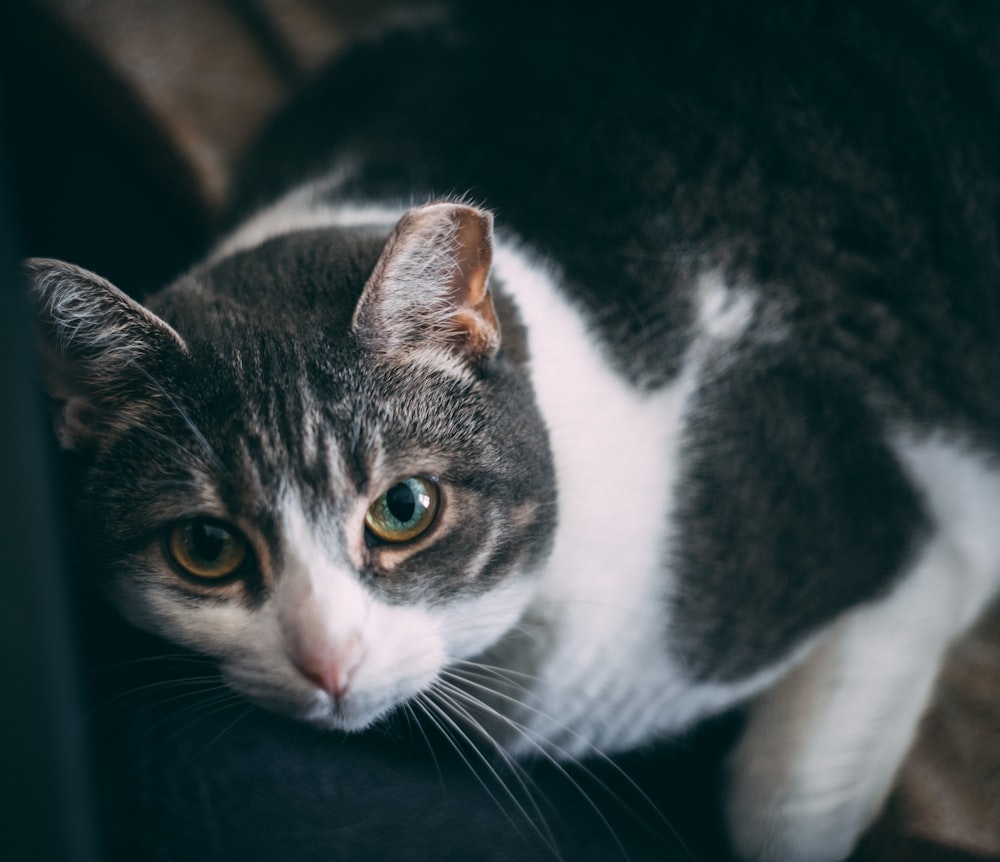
{"type": "Point", "coordinates": [205, 548]}
{"type": "Point", "coordinates": [405, 511]}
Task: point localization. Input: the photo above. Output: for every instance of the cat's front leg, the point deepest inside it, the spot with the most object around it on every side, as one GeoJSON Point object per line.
{"type": "Point", "coordinates": [821, 749]}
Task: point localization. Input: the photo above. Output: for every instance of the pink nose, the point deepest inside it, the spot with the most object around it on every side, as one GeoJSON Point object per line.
{"type": "Point", "coordinates": [331, 668]}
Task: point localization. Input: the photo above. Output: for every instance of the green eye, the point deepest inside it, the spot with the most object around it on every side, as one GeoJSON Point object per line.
{"type": "Point", "coordinates": [405, 511]}
{"type": "Point", "coordinates": [205, 548]}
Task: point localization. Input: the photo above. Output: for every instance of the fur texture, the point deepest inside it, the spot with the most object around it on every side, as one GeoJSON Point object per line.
{"type": "Point", "coordinates": [712, 417]}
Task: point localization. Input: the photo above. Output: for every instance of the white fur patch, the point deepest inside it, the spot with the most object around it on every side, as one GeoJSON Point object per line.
{"type": "Point", "coordinates": [609, 679]}
{"type": "Point", "coordinates": [321, 616]}
{"type": "Point", "coordinates": [724, 312]}
{"type": "Point", "coordinates": [303, 209]}
{"type": "Point", "coordinates": [961, 488]}
{"type": "Point", "coordinates": [325, 614]}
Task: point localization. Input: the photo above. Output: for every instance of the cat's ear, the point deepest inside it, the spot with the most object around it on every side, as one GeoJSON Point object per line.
{"type": "Point", "coordinates": [99, 350]}
{"type": "Point", "coordinates": [430, 286]}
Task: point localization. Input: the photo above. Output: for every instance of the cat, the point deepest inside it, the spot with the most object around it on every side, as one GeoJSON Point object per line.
{"type": "Point", "coordinates": [647, 368]}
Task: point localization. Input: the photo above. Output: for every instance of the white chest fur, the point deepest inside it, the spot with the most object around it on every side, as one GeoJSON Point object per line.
{"type": "Point", "coordinates": [608, 677]}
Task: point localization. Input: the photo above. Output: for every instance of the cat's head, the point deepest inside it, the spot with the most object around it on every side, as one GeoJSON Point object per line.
{"type": "Point", "coordinates": [312, 459]}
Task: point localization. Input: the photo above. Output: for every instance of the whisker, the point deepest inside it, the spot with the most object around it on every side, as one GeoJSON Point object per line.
{"type": "Point", "coordinates": [199, 712]}
{"type": "Point", "coordinates": [192, 658]}
{"type": "Point", "coordinates": [431, 709]}
{"type": "Point", "coordinates": [533, 738]}
{"type": "Point", "coordinates": [199, 683]}
{"type": "Point", "coordinates": [195, 430]}
{"type": "Point", "coordinates": [410, 713]}
{"type": "Point", "coordinates": [520, 774]}
{"type": "Point", "coordinates": [496, 672]}
{"type": "Point", "coordinates": [175, 445]}
{"type": "Point", "coordinates": [243, 714]}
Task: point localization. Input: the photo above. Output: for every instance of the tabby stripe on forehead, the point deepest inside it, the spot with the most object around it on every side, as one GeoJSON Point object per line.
{"type": "Point", "coordinates": [311, 439]}
{"type": "Point", "coordinates": [488, 541]}
{"type": "Point", "coordinates": [318, 453]}
{"type": "Point", "coordinates": [360, 453]}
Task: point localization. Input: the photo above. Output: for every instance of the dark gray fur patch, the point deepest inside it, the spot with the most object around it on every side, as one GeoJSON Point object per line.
{"type": "Point", "coordinates": [791, 509]}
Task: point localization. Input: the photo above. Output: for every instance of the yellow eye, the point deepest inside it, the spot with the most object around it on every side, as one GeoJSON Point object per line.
{"type": "Point", "coordinates": [205, 548]}
{"type": "Point", "coordinates": [405, 511]}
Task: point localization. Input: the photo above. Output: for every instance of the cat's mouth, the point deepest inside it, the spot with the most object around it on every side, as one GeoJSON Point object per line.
{"type": "Point", "coordinates": [344, 714]}
{"type": "Point", "coordinates": [351, 712]}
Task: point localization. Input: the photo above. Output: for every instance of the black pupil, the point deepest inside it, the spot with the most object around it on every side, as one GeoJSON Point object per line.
{"type": "Point", "coordinates": [208, 540]}
{"type": "Point", "coordinates": [401, 503]}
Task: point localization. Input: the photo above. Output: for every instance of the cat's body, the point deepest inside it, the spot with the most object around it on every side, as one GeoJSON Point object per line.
{"type": "Point", "coordinates": [727, 427]}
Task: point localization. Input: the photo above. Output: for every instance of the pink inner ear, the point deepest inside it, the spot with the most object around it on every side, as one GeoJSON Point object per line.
{"type": "Point", "coordinates": [431, 284]}
{"type": "Point", "coordinates": [80, 422]}
{"type": "Point", "coordinates": [474, 253]}
{"type": "Point", "coordinates": [475, 318]}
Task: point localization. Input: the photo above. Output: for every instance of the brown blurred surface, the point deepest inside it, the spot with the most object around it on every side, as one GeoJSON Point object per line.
{"type": "Point", "coordinates": [949, 790]}
{"type": "Point", "coordinates": [192, 80]}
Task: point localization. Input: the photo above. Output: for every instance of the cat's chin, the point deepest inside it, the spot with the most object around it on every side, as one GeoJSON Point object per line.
{"type": "Point", "coordinates": [350, 715]}
{"type": "Point", "coordinates": [344, 720]}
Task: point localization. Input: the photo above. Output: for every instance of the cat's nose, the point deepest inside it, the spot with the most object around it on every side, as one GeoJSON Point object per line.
{"type": "Point", "coordinates": [332, 666]}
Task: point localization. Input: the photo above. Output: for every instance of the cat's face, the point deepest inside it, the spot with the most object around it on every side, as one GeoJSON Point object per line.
{"type": "Point", "coordinates": [313, 462]}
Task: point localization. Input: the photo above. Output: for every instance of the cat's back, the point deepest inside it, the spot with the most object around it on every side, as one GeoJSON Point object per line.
{"type": "Point", "coordinates": [838, 159]}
